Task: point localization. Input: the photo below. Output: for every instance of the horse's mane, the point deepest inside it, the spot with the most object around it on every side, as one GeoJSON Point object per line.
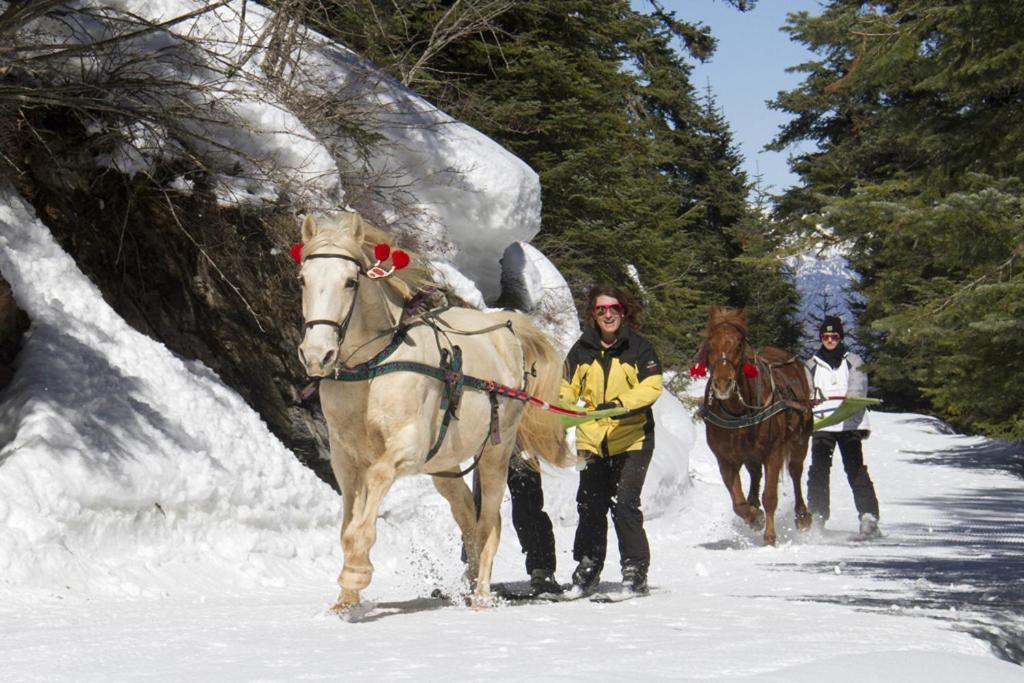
{"type": "Point", "coordinates": [337, 230]}
{"type": "Point", "coordinates": [719, 315]}
{"type": "Point", "coordinates": [737, 317]}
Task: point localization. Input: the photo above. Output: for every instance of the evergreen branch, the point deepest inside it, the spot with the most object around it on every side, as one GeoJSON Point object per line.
{"type": "Point", "coordinates": [1017, 252]}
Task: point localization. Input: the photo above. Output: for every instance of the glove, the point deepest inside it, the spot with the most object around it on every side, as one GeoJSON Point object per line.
{"type": "Point", "coordinates": [607, 405]}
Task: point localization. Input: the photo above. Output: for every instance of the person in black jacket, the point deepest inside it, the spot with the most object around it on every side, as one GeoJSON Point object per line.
{"type": "Point", "coordinates": [612, 366]}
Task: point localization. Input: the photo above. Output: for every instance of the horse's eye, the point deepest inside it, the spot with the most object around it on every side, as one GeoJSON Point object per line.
{"type": "Point", "coordinates": [350, 283]}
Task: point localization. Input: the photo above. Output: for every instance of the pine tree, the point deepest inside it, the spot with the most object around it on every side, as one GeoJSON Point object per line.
{"type": "Point", "coordinates": [915, 107]}
{"type": "Point", "coordinates": [641, 184]}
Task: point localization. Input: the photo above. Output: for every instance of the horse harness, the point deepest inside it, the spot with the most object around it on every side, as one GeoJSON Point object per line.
{"type": "Point", "coordinates": [448, 371]}
{"type": "Point", "coordinates": [761, 411]}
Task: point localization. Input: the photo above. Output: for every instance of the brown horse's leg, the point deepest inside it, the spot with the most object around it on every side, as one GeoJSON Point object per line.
{"type": "Point", "coordinates": [797, 454]}
{"type": "Point", "coordinates": [754, 491]}
{"type": "Point", "coordinates": [773, 466]}
{"type": "Point", "coordinates": [743, 509]}
{"type": "Point", "coordinates": [360, 533]}
{"type": "Point", "coordinates": [460, 500]}
{"type": "Point", "coordinates": [493, 477]}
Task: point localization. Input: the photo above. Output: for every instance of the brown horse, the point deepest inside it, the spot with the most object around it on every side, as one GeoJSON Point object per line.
{"type": "Point", "coordinates": [757, 413]}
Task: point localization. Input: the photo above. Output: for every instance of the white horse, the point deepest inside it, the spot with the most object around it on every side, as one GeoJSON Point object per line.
{"type": "Point", "coordinates": [387, 416]}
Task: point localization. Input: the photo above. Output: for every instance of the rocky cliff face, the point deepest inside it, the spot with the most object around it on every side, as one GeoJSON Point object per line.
{"type": "Point", "coordinates": [13, 323]}
{"type": "Point", "coordinates": [213, 284]}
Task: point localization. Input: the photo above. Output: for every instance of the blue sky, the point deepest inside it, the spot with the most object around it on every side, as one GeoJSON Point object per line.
{"type": "Point", "coordinates": [749, 68]}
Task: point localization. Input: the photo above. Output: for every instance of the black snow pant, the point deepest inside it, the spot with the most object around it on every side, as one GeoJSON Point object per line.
{"type": "Point", "coordinates": [822, 446]}
{"type": "Point", "coordinates": [613, 483]}
{"type": "Point", "coordinates": [532, 524]}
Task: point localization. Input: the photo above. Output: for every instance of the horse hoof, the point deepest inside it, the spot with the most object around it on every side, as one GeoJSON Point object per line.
{"type": "Point", "coordinates": [343, 609]}
{"type": "Point", "coordinates": [352, 611]}
{"type": "Point", "coordinates": [756, 520]}
{"type": "Point", "coordinates": [804, 522]}
{"type": "Point", "coordinates": [481, 602]}
{"type": "Point", "coordinates": [346, 602]}
{"type": "Point", "coordinates": [769, 540]}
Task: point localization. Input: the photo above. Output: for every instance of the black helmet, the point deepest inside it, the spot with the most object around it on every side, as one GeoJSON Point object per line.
{"type": "Point", "coordinates": [831, 323]}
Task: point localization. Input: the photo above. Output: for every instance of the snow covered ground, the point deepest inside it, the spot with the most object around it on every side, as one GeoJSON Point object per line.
{"type": "Point", "coordinates": [152, 528]}
{"type": "Point", "coordinates": [918, 605]}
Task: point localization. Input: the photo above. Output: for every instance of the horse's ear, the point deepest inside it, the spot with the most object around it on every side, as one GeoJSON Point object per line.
{"type": "Point", "coordinates": [743, 314]}
{"type": "Point", "coordinates": [714, 310]}
{"type": "Point", "coordinates": [308, 229]}
{"type": "Point", "coordinates": [358, 229]}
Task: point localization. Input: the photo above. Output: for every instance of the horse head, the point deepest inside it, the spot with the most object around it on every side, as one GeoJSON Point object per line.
{"type": "Point", "coordinates": [335, 259]}
{"type": "Point", "coordinates": [331, 267]}
{"type": "Point", "coordinates": [726, 344]}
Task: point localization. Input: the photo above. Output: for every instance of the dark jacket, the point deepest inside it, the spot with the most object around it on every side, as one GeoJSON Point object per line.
{"type": "Point", "coordinates": [628, 373]}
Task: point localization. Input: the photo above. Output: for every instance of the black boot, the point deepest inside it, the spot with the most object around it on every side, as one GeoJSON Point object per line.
{"type": "Point", "coordinates": [587, 575]}
{"type": "Point", "coordinates": [542, 582]}
{"type": "Point", "coordinates": [634, 579]}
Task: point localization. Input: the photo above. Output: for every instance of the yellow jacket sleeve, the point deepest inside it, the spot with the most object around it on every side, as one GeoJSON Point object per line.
{"type": "Point", "coordinates": [643, 394]}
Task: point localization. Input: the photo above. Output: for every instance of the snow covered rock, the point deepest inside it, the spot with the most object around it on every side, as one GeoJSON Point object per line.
{"type": "Point", "coordinates": [531, 283]}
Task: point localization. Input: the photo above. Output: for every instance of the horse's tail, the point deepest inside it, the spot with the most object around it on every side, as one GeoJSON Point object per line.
{"type": "Point", "coordinates": [540, 431]}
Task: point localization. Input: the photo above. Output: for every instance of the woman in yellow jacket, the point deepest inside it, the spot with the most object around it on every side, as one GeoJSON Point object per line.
{"type": "Point", "coordinates": [611, 366]}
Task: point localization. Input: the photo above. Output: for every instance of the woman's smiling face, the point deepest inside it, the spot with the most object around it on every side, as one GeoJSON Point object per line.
{"type": "Point", "coordinates": [608, 315]}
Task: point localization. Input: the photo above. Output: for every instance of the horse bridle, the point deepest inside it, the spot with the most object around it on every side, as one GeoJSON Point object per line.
{"type": "Point", "coordinates": [342, 327]}
{"type": "Point", "coordinates": [724, 360]}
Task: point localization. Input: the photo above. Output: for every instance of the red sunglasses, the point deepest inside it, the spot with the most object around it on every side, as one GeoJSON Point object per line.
{"type": "Point", "coordinates": [831, 336]}
{"type": "Point", "coordinates": [615, 309]}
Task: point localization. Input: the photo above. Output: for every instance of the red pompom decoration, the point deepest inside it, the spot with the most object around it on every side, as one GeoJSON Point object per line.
{"type": "Point", "coordinates": [381, 252]}
{"type": "Point", "coordinates": [296, 252]}
{"type": "Point", "coordinates": [399, 259]}
{"type": "Point", "coordinates": [750, 371]}
{"type": "Point", "coordinates": [698, 370]}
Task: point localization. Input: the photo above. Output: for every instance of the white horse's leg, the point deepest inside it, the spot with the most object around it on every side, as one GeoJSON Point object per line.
{"type": "Point", "coordinates": [346, 477]}
{"type": "Point", "coordinates": [460, 499]}
{"type": "Point", "coordinates": [360, 533]}
{"type": "Point", "coordinates": [493, 477]}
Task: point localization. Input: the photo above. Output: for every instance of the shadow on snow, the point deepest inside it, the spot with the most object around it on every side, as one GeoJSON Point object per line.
{"type": "Point", "coordinates": [965, 569]}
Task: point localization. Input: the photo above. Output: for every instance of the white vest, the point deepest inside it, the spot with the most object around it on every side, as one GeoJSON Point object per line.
{"type": "Point", "coordinates": [832, 382]}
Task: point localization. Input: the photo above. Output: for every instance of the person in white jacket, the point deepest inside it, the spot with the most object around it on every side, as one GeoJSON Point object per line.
{"type": "Point", "coordinates": [837, 373]}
